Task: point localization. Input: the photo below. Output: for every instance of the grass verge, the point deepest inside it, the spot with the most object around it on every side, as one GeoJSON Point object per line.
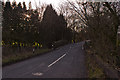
{"type": "Point", "coordinates": [94, 71]}
{"type": "Point", "coordinates": [22, 56]}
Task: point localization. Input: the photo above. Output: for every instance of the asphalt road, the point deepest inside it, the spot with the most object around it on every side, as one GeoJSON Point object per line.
{"type": "Point", "coordinates": [65, 62]}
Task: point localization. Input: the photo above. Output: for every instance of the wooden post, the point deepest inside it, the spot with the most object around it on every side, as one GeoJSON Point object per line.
{"type": "Point", "coordinates": [118, 36]}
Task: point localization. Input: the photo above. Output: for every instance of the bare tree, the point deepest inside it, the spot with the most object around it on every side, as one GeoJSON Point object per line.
{"type": "Point", "coordinates": [98, 21]}
{"type": "Point", "coordinates": [40, 8]}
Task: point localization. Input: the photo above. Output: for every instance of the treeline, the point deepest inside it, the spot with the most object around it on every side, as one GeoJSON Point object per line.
{"type": "Point", "coordinates": [97, 22]}
{"type": "Point", "coordinates": [27, 27]}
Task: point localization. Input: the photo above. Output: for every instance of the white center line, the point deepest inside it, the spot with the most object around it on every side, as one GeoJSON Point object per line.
{"type": "Point", "coordinates": [56, 60]}
{"type": "Point", "coordinates": [37, 74]}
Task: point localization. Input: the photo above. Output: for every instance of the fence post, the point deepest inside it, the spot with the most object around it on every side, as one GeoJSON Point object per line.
{"type": "Point", "coordinates": [118, 36]}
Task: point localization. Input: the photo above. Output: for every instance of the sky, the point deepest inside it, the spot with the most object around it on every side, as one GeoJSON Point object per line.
{"type": "Point", "coordinates": [55, 3]}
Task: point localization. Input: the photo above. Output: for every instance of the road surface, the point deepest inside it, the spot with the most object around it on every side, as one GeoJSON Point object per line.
{"type": "Point", "coordinates": [65, 62]}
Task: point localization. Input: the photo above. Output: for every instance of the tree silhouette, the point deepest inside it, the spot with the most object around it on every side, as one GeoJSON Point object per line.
{"type": "Point", "coordinates": [49, 19]}
{"type": "Point", "coordinates": [24, 6]}
{"type": "Point", "coordinates": [25, 26]}
{"type": "Point", "coordinates": [6, 22]}
{"type": "Point", "coordinates": [53, 31]}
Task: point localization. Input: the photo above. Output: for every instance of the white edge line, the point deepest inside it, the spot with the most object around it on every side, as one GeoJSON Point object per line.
{"type": "Point", "coordinates": [56, 60]}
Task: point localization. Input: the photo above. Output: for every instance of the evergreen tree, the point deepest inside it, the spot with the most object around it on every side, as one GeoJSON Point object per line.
{"type": "Point", "coordinates": [54, 27]}
{"type": "Point", "coordinates": [30, 6]}
{"type": "Point", "coordinates": [7, 21]}
{"type": "Point", "coordinates": [14, 5]}
{"type": "Point", "coordinates": [24, 6]}
{"type": "Point", "coordinates": [48, 23]}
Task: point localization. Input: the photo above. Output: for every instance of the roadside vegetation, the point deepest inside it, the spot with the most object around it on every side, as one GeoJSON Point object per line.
{"type": "Point", "coordinates": [25, 30]}
{"type": "Point", "coordinates": [97, 66]}
{"type": "Point", "coordinates": [94, 70]}
{"type": "Point", "coordinates": [97, 22]}
{"type": "Point", "coordinates": [16, 57]}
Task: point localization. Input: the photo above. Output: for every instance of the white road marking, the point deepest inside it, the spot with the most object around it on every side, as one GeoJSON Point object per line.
{"type": "Point", "coordinates": [56, 60]}
{"type": "Point", "coordinates": [37, 74]}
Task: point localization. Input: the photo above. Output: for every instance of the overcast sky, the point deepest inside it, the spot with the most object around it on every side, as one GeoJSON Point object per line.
{"type": "Point", "coordinates": [55, 3]}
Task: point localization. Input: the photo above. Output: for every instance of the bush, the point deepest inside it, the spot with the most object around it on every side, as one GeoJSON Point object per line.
{"type": "Point", "coordinates": [59, 43]}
